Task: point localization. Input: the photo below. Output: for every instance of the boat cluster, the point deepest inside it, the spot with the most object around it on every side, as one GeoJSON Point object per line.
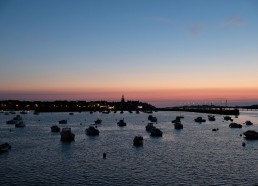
{"type": "Point", "coordinates": [17, 121]}
{"type": "Point", "coordinates": [92, 130]}
{"type": "Point", "coordinates": [154, 131]}
{"type": "Point", "coordinates": [236, 125]}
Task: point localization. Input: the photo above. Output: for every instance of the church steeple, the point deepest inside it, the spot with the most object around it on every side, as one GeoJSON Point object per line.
{"type": "Point", "coordinates": [122, 99]}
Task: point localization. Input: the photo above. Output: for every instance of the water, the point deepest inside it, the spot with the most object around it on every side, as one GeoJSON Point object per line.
{"type": "Point", "coordinates": [192, 156]}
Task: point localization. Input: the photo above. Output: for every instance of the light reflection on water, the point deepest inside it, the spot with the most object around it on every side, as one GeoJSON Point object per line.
{"type": "Point", "coordinates": [194, 155]}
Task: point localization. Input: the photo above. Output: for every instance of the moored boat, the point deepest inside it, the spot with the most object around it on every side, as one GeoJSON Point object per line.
{"type": "Point", "coordinates": [149, 127]}
{"type": "Point", "coordinates": [248, 123]}
{"type": "Point", "coordinates": [92, 131]}
{"type": "Point", "coordinates": [211, 118]}
{"type": "Point", "coordinates": [4, 147]}
{"type": "Point", "coordinates": [178, 119]}
{"type": "Point", "coordinates": [121, 123]}
{"type": "Point", "coordinates": [178, 125]}
{"type": "Point", "coordinates": [11, 122]}
{"type": "Point", "coordinates": [55, 128]}
{"type": "Point", "coordinates": [63, 121]}
{"type": "Point", "coordinates": [66, 134]}
{"type": "Point", "coordinates": [20, 124]}
{"type": "Point", "coordinates": [152, 118]}
{"type": "Point", "coordinates": [228, 118]}
{"type": "Point", "coordinates": [155, 132]}
{"type": "Point", "coordinates": [98, 121]}
{"type": "Point", "coordinates": [199, 120]}
{"type": "Point", "coordinates": [235, 125]}
{"type": "Point", "coordinates": [138, 141]}
{"type": "Point", "coordinates": [251, 134]}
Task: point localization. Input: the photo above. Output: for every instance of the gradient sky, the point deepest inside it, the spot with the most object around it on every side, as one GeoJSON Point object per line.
{"type": "Point", "coordinates": [146, 49]}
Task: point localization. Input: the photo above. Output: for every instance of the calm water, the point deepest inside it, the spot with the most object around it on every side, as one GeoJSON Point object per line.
{"type": "Point", "coordinates": [192, 156]}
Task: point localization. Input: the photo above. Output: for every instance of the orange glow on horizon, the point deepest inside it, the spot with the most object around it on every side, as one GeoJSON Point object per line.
{"type": "Point", "coordinates": [115, 94]}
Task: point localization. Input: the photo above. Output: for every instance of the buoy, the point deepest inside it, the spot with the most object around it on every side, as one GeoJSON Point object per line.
{"type": "Point", "coordinates": [243, 144]}
{"type": "Point", "coordinates": [104, 155]}
{"type": "Point", "coordinates": [240, 134]}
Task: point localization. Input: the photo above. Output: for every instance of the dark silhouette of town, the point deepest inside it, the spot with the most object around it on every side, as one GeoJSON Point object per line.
{"type": "Point", "coordinates": [75, 106]}
{"type": "Point", "coordinates": [122, 105]}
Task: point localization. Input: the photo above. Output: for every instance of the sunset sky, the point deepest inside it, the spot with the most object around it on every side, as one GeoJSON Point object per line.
{"type": "Point", "coordinates": [149, 50]}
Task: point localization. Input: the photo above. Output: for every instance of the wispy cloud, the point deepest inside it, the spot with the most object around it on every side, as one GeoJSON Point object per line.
{"type": "Point", "coordinates": [193, 28]}
{"type": "Point", "coordinates": [234, 20]}
{"type": "Point", "coordinates": [161, 19]}
{"type": "Point", "coordinates": [196, 29]}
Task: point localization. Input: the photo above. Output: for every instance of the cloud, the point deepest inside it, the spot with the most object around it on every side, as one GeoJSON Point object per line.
{"type": "Point", "coordinates": [196, 29]}
{"type": "Point", "coordinates": [234, 21]}
{"type": "Point", "coordinates": [161, 19]}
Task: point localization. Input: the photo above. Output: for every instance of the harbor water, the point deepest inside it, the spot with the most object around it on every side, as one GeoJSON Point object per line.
{"type": "Point", "coordinates": [195, 155]}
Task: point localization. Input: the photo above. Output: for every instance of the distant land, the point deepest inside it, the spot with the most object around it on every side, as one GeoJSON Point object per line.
{"type": "Point", "coordinates": [74, 106]}
{"type": "Point", "coordinates": [79, 106]}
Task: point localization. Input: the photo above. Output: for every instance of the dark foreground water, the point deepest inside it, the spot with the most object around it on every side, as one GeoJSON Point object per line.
{"type": "Point", "coordinates": [192, 156]}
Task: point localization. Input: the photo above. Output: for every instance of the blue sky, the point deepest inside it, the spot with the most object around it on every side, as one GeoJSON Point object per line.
{"type": "Point", "coordinates": [127, 45]}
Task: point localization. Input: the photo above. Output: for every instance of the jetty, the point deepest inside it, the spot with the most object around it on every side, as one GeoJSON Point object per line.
{"type": "Point", "coordinates": [204, 109]}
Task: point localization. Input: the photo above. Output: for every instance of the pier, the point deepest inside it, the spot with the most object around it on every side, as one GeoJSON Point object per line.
{"type": "Point", "coordinates": [200, 109]}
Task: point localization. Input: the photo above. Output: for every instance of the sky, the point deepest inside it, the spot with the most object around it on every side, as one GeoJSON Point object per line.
{"type": "Point", "coordinates": [161, 51]}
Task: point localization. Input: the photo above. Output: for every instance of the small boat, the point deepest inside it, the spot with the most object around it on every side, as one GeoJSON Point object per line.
{"type": "Point", "coordinates": [121, 112]}
{"type": "Point", "coordinates": [235, 125]}
{"type": "Point", "coordinates": [181, 117]}
{"type": "Point", "coordinates": [92, 131]}
{"type": "Point", "coordinates": [155, 132]}
{"type": "Point", "coordinates": [71, 113]}
{"type": "Point", "coordinates": [20, 124]}
{"type": "Point", "coordinates": [149, 127]}
{"type": "Point", "coordinates": [17, 118]}
{"type": "Point", "coordinates": [138, 141]}
{"type": "Point", "coordinates": [248, 123]}
{"type": "Point", "coordinates": [98, 121]}
{"type": "Point", "coordinates": [152, 118]}
{"type": "Point", "coordinates": [251, 134]}
{"type": "Point", "coordinates": [178, 119]}
{"type": "Point", "coordinates": [121, 123]}
{"type": "Point", "coordinates": [199, 120]}
{"type": "Point", "coordinates": [211, 118]}
{"type": "Point", "coordinates": [178, 125]}
{"type": "Point", "coordinates": [228, 118]}
{"type": "Point", "coordinates": [63, 121]}
{"type": "Point", "coordinates": [55, 128]}
{"type": "Point", "coordinates": [4, 147]}
{"type": "Point", "coordinates": [11, 122]}
{"type": "Point", "coordinates": [66, 134]}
